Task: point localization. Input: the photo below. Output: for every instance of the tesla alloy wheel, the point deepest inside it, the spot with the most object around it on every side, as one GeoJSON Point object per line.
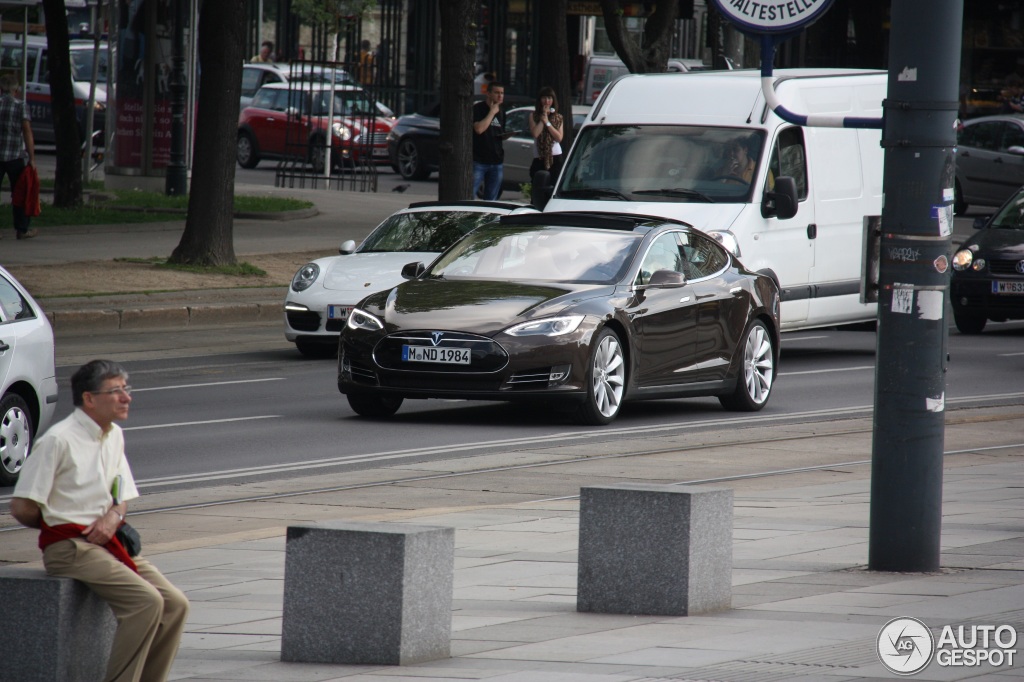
{"type": "Point", "coordinates": [15, 437]}
{"type": "Point", "coordinates": [757, 371]}
{"type": "Point", "coordinates": [606, 380]}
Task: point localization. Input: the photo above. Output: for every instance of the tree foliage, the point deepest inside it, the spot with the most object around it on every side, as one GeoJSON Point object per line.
{"type": "Point", "coordinates": [208, 238]}
{"type": "Point", "coordinates": [652, 55]}
{"type": "Point", "coordinates": [331, 12]}
{"type": "Point", "coordinates": [67, 189]}
{"type": "Point", "coordinates": [455, 146]}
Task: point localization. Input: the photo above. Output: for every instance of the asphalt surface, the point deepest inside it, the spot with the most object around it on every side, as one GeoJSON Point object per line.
{"type": "Point", "coordinates": [804, 605]}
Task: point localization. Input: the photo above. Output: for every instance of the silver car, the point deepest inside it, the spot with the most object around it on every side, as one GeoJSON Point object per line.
{"type": "Point", "coordinates": [989, 161]}
{"type": "Point", "coordinates": [28, 380]}
{"type": "Point", "coordinates": [519, 147]}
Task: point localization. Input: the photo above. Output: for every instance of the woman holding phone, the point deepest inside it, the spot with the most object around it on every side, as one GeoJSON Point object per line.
{"type": "Point", "coordinates": [546, 127]}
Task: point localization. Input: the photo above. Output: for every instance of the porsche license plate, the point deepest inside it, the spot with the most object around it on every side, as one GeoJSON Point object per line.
{"type": "Point", "coordinates": [446, 356]}
{"type": "Point", "coordinates": [1007, 287]}
{"type": "Point", "coordinates": [338, 312]}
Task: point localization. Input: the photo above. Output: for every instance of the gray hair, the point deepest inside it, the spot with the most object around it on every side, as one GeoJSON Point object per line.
{"type": "Point", "coordinates": [91, 376]}
{"type": "Point", "coordinates": [9, 82]}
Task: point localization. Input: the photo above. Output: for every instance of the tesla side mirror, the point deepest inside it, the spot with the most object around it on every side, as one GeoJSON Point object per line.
{"type": "Point", "coordinates": [981, 222]}
{"type": "Point", "coordinates": [543, 186]}
{"type": "Point", "coordinates": [667, 278]}
{"type": "Point", "coordinates": [781, 202]}
{"type": "Point", "coordinates": [412, 270]}
{"type": "Point", "coordinates": [347, 247]}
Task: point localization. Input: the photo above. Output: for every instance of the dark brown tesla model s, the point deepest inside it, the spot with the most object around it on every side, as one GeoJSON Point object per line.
{"type": "Point", "coordinates": [585, 309]}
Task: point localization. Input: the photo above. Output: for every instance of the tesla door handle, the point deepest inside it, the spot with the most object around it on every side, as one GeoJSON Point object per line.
{"type": "Point", "coordinates": [4, 346]}
{"type": "Point", "coordinates": [812, 231]}
{"type": "Point", "coordinates": [684, 299]}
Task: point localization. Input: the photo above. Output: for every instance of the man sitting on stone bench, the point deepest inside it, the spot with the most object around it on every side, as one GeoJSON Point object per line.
{"type": "Point", "coordinates": [66, 489]}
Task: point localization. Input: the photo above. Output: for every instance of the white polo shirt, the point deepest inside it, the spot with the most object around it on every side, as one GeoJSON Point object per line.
{"type": "Point", "coordinates": [72, 469]}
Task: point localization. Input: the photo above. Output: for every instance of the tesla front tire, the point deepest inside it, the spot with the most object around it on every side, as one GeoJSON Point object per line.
{"type": "Point", "coordinates": [16, 430]}
{"type": "Point", "coordinates": [756, 371]}
{"type": "Point", "coordinates": [374, 406]}
{"type": "Point", "coordinates": [606, 380]}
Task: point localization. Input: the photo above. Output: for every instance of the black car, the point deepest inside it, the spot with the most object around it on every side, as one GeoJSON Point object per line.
{"type": "Point", "coordinates": [988, 270]}
{"type": "Point", "coordinates": [412, 143]}
{"type": "Point", "coordinates": [583, 309]}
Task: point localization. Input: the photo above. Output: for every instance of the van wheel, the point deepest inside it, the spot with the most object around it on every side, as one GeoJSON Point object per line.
{"type": "Point", "coordinates": [245, 151]}
{"type": "Point", "coordinates": [959, 205]}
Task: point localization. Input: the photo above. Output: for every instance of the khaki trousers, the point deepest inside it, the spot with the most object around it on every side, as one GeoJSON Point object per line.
{"type": "Point", "coordinates": [150, 611]}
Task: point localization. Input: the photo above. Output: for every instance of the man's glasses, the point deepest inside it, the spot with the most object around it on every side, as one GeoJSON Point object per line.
{"type": "Point", "coordinates": [127, 390]}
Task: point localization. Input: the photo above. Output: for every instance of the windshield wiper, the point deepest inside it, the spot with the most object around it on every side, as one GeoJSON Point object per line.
{"type": "Point", "coordinates": [594, 193]}
{"type": "Point", "coordinates": [677, 192]}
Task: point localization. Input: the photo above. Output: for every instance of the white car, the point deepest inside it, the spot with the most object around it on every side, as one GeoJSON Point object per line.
{"type": "Point", "coordinates": [27, 376]}
{"type": "Point", "coordinates": [323, 292]}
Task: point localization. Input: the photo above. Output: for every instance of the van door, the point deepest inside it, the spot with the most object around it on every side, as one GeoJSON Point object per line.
{"type": "Point", "coordinates": [787, 247]}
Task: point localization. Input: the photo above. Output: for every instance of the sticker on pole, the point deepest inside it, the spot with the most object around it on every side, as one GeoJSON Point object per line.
{"type": "Point", "coordinates": [772, 16]}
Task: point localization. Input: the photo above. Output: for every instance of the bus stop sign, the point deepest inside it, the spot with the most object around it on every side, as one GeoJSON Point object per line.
{"type": "Point", "coordinates": [762, 17]}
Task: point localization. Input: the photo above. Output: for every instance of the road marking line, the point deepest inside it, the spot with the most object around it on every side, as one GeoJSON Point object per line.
{"type": "Point", "coordinates": [208, 421]}
{"type": "Point", "coordinates": [826, 371]}
{"type": "Point", "coordinates": [212, 383]}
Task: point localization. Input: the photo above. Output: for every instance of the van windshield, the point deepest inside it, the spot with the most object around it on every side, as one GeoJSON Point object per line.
{"type": "Point", "coordinates": [81, 66]}
{"type": "Point", "coordinates": [663, 163]}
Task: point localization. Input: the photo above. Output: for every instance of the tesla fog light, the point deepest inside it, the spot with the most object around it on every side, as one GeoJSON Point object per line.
{"type": "Point", "coordinates": [558, 374]}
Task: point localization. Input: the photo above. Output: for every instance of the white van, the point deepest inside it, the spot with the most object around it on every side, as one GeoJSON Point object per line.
{"type": "Point", "coordinates": [33, 58]}
{"type": "Point", "coordinates": [603, 69]}
{"type": "Point", "coordinates": [664, 145]}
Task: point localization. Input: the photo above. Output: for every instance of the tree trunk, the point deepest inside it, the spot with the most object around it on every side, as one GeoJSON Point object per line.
{"type": "Point", "coordinates": [455, 146]}
{"type": "Point", "coordinates": [652, 56]}
{"type": "Point", "coordinates": [67, 190]}
{"type": "Point", "coordinates": [554, 61]}
{"type": "Point", "coordinates": [208, 238]}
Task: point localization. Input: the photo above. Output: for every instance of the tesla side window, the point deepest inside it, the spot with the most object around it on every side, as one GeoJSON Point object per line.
{"type": "Point", "coordinates": [664, 254]}
{"type": "Point", "coordinates": [703, 256]}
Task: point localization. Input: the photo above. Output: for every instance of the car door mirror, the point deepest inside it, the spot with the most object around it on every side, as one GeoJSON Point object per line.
{"type": "Point", "coordinates": [667, 279]}
{"type": "Point", "coordinates": [781, 202]}
{"type": "Point", "coordinates": [412, 270]}
{"type": "Point", "coordinates": [348, 246]}
{"type": "Point", "coordinates": [981, 222]}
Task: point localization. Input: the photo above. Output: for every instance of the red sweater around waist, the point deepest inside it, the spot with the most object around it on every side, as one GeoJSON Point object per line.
{"type": "Point", "coordinates": [69, 531]}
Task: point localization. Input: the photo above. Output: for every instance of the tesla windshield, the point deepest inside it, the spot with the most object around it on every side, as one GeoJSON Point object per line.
{"type": "Point", "coordinates": [663, 163]}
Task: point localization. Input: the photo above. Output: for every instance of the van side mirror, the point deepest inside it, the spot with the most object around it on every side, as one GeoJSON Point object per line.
{"type": "Point", "coordinates": [348, 246]}
{"type": "Point", "coordinates": [412, 270]}
{"type": "Point", "coordinates": [781, 202]}
{"type": "Point", "coordinates": [543, 188]}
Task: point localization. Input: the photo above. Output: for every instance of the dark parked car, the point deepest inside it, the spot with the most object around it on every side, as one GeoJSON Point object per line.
{"type": "Point", "coordinates": [989, 161]}
{"type": "Point", "coordinates": [583, 309]}
{"type": "Point", "coordinates": [412, 143]}
{"type": "Point", "coordinates": [988, 270]}
{"type": "Point", "coordinates": [293, 123]}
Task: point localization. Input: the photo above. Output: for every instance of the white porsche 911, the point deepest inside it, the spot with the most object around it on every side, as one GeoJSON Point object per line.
{"type": "Point", "coordinates": [323, 291]}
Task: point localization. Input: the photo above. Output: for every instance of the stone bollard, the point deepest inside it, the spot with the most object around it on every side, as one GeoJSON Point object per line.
{"type": "Point", "coordinates": [377, 593]}
{"type": "Point", "coordinates": [58, 630]}
{"type": "Point", "coordinates": [655, 549]}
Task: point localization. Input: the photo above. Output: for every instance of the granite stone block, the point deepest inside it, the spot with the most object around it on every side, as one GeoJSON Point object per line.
{"type": "Point", "coordinates": [654, 549]}
{"type": "Point", "coordinates": [60, 630]}
{"type": "Point", "coordinates": [372, 593]}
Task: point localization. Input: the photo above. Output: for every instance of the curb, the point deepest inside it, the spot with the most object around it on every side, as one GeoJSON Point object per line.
{"type": "Point", "coordinates": [165, 317]}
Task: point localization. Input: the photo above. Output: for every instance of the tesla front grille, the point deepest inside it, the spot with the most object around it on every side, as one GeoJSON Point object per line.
{"type": "Point", "coordinates": [304, 320]}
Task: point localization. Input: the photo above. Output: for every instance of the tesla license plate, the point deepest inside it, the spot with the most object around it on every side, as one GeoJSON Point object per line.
{"type": "Point", "coordinates": [447, 356]}
{"type": "Point", "coordinates": [1007, 287]}
{"type": "Point", "coordinates": [338, 312]}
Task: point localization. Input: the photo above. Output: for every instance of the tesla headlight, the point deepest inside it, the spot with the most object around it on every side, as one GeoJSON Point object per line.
{"type": "Point", "coordinates": [728, 240]}
{"type": "Point", "coordinates": [549, 326]}
{"type": "Point", "coordinates": [305, 277]}
{"type": "Point", "coordinates": [342, 131]}
{"type": "Point", "coordinates": [360, 319]}
{"type": "Point", "coordinates": [962, 260]}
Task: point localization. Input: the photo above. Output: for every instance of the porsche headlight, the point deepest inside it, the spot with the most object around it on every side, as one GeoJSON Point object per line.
{"type": "Point", "coordinates": [360, 319]}
{"type": "Point", "coordinates": [962, 260]}
{"type": "Point", "coordinates": [305, 277]}
{"type": "Point", "coordinates": [549, 326]}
